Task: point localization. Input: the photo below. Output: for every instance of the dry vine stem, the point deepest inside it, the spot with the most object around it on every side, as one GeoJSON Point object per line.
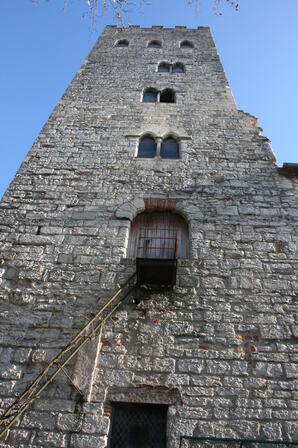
{"type": "Point", "coordinates": [121, 8]}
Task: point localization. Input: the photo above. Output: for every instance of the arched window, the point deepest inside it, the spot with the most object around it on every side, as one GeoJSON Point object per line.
{"type": "Point", "coordinates": [167, 96]}
{"type": "Point", "coordinates": [150, 96]}
{"type": "Point", "coordinates": [178, 68]}
{"type": "Point", "coordinates": [159, 235]}
{"type": "Point", "coordinates": [122, 43]}
{"type": "Point", "coordinates": [169, 149]}
{"type": "Point", "coordinates": [164, 67]}
{"type": "Point", "coordinates": [186, 44]}
{"type": "Point", "coordinates": [147, 147]}
{"type": "Point", "coordinates": [154, 44]}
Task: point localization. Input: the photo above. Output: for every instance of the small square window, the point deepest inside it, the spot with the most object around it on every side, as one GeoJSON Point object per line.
{"type": "Point", "coordinates": [138, 426]}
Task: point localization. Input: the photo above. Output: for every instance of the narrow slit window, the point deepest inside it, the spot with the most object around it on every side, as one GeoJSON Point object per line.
{"type": "Point", "coordinates": [186, 44]}
{"type": "Point", "coordinates": [147, 148]}
{"type": "Point", "coordinates": [164, 67]}
{"type": "Point", "coordinates": [150, 96]}
{"type": "Point", "coordinates": [154, 44]}
{"type": "Point", "coordinates": [178, 68]}
{"type": "Point", "coordinates": [169, 149]}
{"type": "Point", "coordinates": [167, 96]}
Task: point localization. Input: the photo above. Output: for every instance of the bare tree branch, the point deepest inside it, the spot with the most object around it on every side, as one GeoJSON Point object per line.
{"type": "Point", "coordinates": [121, 8]}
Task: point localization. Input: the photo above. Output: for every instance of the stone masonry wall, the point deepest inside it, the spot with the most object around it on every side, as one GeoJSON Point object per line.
{"type": "Point", "coordinates": [220, 348]}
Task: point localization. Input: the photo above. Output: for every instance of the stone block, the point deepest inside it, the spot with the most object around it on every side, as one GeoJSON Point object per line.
{"type": "Point", "coordinates": [272, 431]}
{"type": "Point", "coordinates": [291, 431]}
{"type": "Point", "coordinates": [22, 355]}
{"type": "Point", "coordinates": [273, 332]}
{"type": "Point", "coordinates": [50, 440]}
{"type": "Point", "coordinates": [191, 366]}
{"type": "Point", "coordinates": [291, 370]}
{"type": "Point", "coordinates": [239, 368]}
{"type": "Point", "coordinates": [54, 404]}
{"type": "Point", "coordinates": [86, 441]}
{"type": "Point", "coordinates": [217, 367]}
{"type": "Point", "coordinates": [96, 424]}
{"type": "Point", "coordinates": [39, 420]}
{"type": "Point", "coordinates": [246, 429]}
{"type": "Point", "coordinates": [228, 210]}
{"type": "Point", "coordinates": [70, 422]}
{"type": "Point", "coordinates": [19, 437]}
{"type": "Point", "coordinates": [269, 370]}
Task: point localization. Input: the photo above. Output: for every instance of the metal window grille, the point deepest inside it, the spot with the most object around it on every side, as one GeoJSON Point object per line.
{"type": "Point", "coordinates": [209, 442]}
{"type": "Point", "coordinates": [157, 243]}
{"type": "Point", "coordinates": [159, 235]}
{"type": "Point", "coordinates": [138, 426]}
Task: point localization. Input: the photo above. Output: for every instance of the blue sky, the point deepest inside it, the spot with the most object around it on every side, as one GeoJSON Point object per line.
{"type": "Point", "coordinates": [42, 48]}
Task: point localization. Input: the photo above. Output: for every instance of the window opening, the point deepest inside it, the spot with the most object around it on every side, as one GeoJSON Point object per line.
{"type": "Point", "coordinates": [150, 96]}
{"type": "Point", "coordinates": [178, 68]}
{"type": "Point", "coordinates": [169, 149]}
{"type": "Point", "coordinates": [154, 44]}
{"type": "Point", "coordinates": [159, 235]}
{"type": "Point", "coordinates": [164, 68]}
{"type": "Point", "coordinates": [122, 43]}
{"type": "Point", "coordinates": [147, 147]}
{"type": "Point", "coordinates": [167, 96]}
{"type": "Point", "coordinates": [186, 44]}
{"type": "Point", "coordinates": [138, 426]}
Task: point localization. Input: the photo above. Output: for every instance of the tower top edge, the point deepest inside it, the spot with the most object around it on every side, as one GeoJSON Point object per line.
{"type": "Point", "coordinates": [158, 27]}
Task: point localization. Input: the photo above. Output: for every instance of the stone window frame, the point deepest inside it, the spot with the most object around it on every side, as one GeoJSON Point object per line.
{"type": "Point", "coordinates": [158, 140]}
{"type": "Point", "coordinates": [177, 147]}
{"type": "Point", "coordinates": [186, 44]}
{"type": "Point", "coordinates": [154, 41]}
{"type": "Point", "coordinates": [143, 136]}
{"type": "Point", "coordinates": [171, 65]}
{"type": "Point", "coordinates": [119, 41]}
{"type": "Point", "coordinates": [159, 94]}
{"type": "Point", "coordinates": [148, 89]}
{"type": "Point", "coordinates": [164, 63]}
{"type": "Point", "coordinates": [127, 211]}
{"type": "Point", "coordinates": [159, 214]}
{"type": "Point", "coordinates": [156, 395]}
{"type": "Point", "coordinates": [178, 64]}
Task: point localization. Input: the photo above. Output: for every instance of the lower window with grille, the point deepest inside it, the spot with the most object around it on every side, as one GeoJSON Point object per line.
{"type": "Point", "coordinates": [138, 426]}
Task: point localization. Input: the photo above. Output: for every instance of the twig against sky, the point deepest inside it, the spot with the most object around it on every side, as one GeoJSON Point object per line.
{"type": "Point", "coordinates": [97, 9]}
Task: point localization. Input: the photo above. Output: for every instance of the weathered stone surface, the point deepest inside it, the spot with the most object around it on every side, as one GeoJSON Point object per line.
{"type": "Point", "coordinates": [218, 349]}
{"type": "Point", "coordinates": [291, 370]}
{"type": "Point", "coordinates": [50, 439]}
{"type": "Point", "coordinates": [86, 441]}
{"type": "Point", "coordinates": [270, 370]}
{"type": "Point", "coordinates": [70, 422]}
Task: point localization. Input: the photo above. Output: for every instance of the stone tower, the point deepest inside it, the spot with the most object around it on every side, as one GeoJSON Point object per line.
{"type": "Point", "coordinates": [146, 157]}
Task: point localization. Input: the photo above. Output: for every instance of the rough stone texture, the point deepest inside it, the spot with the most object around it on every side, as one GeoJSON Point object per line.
{"type": "Point", "coordinates": [220, 348]}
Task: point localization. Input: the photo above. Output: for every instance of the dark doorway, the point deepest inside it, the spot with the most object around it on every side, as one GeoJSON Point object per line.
{"type": "Point", "coordinates": [138, 426]}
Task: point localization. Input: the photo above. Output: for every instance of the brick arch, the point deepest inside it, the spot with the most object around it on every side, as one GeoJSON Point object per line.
{"type": "Point", "coordinates": [130, 209]}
